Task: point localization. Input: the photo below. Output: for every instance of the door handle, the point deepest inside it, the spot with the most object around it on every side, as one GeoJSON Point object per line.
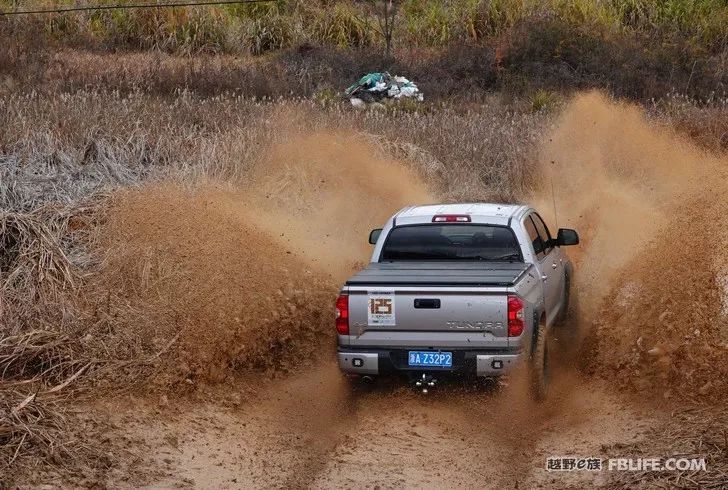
{"type": "Point", "coordinates": [554, 265]}
{"type": "Point", "coordinates": [544, 277]}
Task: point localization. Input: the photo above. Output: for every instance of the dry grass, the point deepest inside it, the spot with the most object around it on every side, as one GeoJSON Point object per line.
{"type": "Point", "coordinates": [705, 124]}
{"type": "Point", "coordinates": [64, 147]}
{"type": "Point", "coordinates": [33, 261]}
{"type": "Point", "coordinates": [38, 360]}
{"type": "Point", "coordinates": [27, 428]}
{"type": "Point", "coordinates": [691, 432]}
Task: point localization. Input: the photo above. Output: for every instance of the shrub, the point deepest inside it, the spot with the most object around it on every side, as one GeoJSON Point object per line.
{"type": "Point", "coordinates": [339, 25]}
{"type": "Point", "coordinates": [553, 54]}
{"type": "Point", "coordinates": [543, 100]}
{"type": "Point", "coordinates": [269, 33]}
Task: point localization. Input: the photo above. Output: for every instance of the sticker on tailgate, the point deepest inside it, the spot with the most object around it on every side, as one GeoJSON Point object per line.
{"type": "Point", "coordinates": [381, 308]}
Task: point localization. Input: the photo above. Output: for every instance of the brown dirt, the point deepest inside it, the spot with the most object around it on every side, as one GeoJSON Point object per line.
{"type": "Point", "coordinates": [309, 431]}
{"type": "Point", "coordinates": [233, 278]}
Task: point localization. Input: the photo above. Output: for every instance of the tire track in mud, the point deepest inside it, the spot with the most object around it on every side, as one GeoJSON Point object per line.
{"type": "Point", "coordinates": [316, 411]}
{"type": "Point", "coordinates": [468, 438]}
{"type": "Point", "coordinates": [280, 438]}
{"type": "Point", "coordinates": [310, 431]}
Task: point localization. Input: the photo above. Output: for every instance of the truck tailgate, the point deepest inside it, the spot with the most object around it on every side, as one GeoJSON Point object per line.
{"type": "Point", "coordinates": [432, 304]}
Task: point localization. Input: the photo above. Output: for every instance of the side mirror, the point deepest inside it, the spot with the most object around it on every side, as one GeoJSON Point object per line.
{"type": "Point", "coordinates": [374, 235]}
{"type": "Point", "coordinates": [566, 237]}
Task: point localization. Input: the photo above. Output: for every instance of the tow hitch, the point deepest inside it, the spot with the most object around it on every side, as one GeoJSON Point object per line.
{"type": "Point", "coordinates": [425, 382]}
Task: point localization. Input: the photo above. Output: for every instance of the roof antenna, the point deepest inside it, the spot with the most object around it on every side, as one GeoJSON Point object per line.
{"type": "Point", "coordinates": [553, 194]}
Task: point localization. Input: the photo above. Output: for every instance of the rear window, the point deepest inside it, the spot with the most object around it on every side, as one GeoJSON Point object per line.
{"type": "Point", "coordinates": [451, 242]}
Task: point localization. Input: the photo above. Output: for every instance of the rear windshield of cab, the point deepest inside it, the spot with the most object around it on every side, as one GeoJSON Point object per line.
{"type": "Point", "coordinates": [451, 242]}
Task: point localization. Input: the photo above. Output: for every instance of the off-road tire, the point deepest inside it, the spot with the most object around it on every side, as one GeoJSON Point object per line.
{"type": "Point", "coordinates": [540, 364]}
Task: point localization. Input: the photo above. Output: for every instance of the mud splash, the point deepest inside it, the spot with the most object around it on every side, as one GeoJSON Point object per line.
{"type": "Point", "coordinates": [619, 179]}
{"type": "Point", "coordinates": [189, 263]}
{"type": "Point", "coordinates": [321, 194]}
{"type": "Point", "coordinates": [251, 271]}
{"type": "Point", "coordinates": [243, 276]}
{"type": "Point", "coordinates": [649, 205]}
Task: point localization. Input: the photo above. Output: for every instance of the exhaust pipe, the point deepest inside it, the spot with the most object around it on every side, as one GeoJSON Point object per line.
{"type": "Point", "coordinates": [367, 379]}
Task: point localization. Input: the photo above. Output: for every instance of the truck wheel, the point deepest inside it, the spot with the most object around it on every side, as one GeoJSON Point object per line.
{"type": "Point", "coordinates": [540, 364]}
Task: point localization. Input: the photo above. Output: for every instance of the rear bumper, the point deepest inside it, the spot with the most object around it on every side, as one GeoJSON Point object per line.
{"type": "Point", "coordinates": [374, 362]}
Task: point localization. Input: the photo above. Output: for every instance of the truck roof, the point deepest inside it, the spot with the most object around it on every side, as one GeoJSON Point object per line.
{"type": "Point", "coordinates": [479, 212]}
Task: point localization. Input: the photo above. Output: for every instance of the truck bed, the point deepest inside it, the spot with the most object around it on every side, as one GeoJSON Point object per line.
{"type": "Point", "coordinates": [440, 274]}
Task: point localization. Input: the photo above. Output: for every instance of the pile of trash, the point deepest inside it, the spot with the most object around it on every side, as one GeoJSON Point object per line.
{"type": "Point", "coordinates": [375, 88]}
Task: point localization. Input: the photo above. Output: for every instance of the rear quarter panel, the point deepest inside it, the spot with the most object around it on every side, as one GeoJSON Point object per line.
{"type": "Point", "coordinates": [530, 289]}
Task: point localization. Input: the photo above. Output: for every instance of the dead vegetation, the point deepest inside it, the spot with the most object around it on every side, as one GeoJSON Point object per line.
{"type": "Point", "coordinates": [705, 124]}
{"type": "Point", "coordinates": [29, 429]}
{"type": "Point", "coordinates": [691, 432]}
{"type": "Point", "coordinates": [33, 262]}
{"type": "Point", "coordinates": [40, 358]}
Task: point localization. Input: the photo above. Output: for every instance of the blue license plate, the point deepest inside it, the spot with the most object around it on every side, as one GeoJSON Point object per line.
{"type": "Point", "coordinates": [430, 359]}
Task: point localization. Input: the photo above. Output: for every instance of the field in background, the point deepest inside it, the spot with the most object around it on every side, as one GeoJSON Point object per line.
{"type": "Point", "coordinates": [258, 28]}
{"type": "Point", "coordinates": [634, 49]}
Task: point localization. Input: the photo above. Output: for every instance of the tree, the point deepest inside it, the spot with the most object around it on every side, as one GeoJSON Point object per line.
{"type": "Point", "coordinates": [386, 11]}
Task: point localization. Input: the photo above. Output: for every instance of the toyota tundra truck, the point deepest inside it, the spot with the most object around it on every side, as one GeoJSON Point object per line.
{"type": "Point", "coordinates": [456, 288]}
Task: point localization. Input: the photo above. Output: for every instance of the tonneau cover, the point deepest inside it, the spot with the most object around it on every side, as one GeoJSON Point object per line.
{"type": "Point", "coordinates": [433, 273]}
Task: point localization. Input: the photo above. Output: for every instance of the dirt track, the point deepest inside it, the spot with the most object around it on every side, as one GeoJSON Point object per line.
{"type": "Point", "coordinates": [311, 432]}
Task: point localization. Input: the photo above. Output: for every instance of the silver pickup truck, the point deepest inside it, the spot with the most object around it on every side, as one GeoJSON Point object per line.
{"type": "Point", "coordinates": [456, 288]}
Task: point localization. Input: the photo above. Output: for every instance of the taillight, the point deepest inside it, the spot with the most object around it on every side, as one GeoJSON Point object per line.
{"type": "Point", "coordinates": [451, 218]}
{"type": "Point", "coordinates": [515, 316]}
{"type": "Point", "coordinates": [342, 314]}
